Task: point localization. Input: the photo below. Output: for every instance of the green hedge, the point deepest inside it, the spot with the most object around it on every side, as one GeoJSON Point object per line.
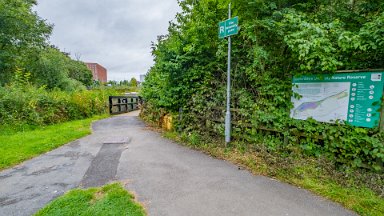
{"type": "Point", "coordinates": [277, 41]}
{"type": "Point", "coordinates": [28, 105]}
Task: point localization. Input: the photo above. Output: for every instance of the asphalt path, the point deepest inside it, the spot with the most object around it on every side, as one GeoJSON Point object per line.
{"type": "Point", "coordinates": [169, 179]}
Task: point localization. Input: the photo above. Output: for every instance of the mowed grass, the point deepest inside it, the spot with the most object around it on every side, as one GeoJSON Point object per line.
{"type": "Point", "coordinates": [111, 199]}
{"type": "Point", "coordinates": [16, 147]}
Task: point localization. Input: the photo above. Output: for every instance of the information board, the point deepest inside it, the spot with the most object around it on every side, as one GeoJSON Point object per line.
{"type": "Point", "coordinates": [351, 97]}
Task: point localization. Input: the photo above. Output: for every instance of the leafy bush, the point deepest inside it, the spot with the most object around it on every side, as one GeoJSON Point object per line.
{"type": "Point", "coordinates": [278, 39]}
{"type": "Point", "coordinates": [24, 44]}
{"type": "Point", "coordinates": [20, 105]}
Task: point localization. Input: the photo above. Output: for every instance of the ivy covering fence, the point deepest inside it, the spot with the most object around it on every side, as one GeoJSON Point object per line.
{"type": "Point", "coordinates": [277, 40]}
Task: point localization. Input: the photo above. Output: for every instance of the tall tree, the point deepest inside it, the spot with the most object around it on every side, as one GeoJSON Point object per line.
{"type": "Point", "coordinates": [133, 82]}
{"type": "Point", "coordinates": [22, 34]}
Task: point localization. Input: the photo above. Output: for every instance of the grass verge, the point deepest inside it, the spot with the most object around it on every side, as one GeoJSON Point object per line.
{"type": "Point", "coordinates": [111, 199]}
{"type": "Point", "coordinates": [16, 147]}
{"type": "Point", "coordinates": [317, 175]}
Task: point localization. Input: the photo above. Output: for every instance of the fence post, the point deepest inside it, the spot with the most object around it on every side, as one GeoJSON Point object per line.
{"type": "Point", "coordinates": [110, 105]}
{"type": "Point", "coordinates": [180, 119]}
{"type": "Point", "coordinates": [119, 102]}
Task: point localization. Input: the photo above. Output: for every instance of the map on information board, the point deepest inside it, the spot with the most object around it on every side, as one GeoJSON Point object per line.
{"type": "Point", "coordinates": [351, 97]}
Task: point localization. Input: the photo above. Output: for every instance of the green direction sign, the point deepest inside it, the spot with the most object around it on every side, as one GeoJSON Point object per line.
{"type": "Point", "coordinates": [229, 27]}
{"type": "Point", "coordinates": [222, 30]}
{"type": "Point", "coordinates": [351, 97]}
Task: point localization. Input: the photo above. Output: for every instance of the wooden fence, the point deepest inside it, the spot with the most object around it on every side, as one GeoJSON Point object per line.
{"type": "Point", "coordinates": [123, 104]}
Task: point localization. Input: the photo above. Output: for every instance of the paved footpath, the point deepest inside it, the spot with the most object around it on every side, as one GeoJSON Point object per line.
{"type": "Point", "coordinates": [169, 179]}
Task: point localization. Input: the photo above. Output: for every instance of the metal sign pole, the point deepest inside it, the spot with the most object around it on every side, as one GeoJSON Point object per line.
{"type": "Point", "coordinates": [228, 112]}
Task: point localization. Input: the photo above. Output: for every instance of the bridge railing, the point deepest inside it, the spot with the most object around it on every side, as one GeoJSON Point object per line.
{"type": "Point", "coordinates": [123, 104]}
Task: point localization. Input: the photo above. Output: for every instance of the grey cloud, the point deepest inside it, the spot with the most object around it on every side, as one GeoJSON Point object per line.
{"type": "Point", "coordinates": [114, 33]}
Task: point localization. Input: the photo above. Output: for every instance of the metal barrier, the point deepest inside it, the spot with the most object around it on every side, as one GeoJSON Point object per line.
{"type": "Point", "coordinates": [123, 104]}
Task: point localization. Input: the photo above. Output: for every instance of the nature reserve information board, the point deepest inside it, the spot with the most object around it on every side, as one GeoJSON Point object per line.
{"type": "Point", "coordinates": [351, 97]}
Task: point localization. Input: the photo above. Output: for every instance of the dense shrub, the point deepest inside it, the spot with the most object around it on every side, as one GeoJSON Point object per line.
{"type": "Point", "coordinates": [277, 40]}
{"type": "Point", "coordinates": [27, 104]}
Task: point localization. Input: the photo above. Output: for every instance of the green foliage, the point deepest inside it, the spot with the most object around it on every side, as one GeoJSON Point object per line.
{"type": "Point", "coordinates": [21, 78]}
{"type": "Point", "coordinates": [133, 82]}
{"type": "Point", "coordinates": [28, 105]}
{"type": "Point", "coordinates": [22, 33]}
{"type": "Point", "coordinates": [277, 40]}
{"type": "Point", "coordinates": [110, 199]}
{"type": "Point", "coordinates": [23, 44]}
{"type": "Point", "coordinates": [53, 69]}
{"type": "Point", "coordinates": [78, 71]}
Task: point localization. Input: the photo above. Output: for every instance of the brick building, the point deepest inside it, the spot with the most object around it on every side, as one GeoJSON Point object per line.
{"type": "Point", "coordinates": [98, 72]}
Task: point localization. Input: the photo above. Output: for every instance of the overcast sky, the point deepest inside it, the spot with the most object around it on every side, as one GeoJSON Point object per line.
{"type": "Point", "coordinates": [114, 33]}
